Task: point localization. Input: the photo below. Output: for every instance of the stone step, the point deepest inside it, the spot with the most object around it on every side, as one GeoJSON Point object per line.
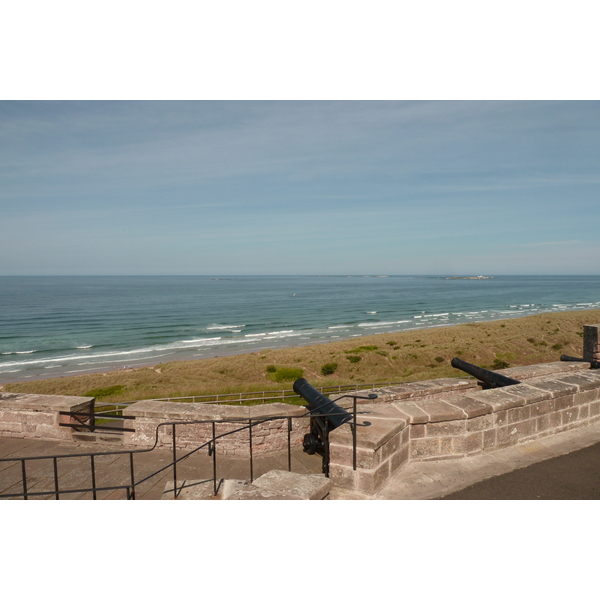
{"type": "Point", "coordinates": [274, 485]}
{"type": "Point", "coordinates": [98, 438]}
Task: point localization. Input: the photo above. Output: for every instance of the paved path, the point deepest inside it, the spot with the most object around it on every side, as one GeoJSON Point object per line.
{"type": "Point", "coordinates": [574, 476]}
{"type": "Point", "coordinates": [114, 469]}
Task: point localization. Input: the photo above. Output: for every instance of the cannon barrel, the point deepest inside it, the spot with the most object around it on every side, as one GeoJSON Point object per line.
{"type": "Point", "coordinates": [490, 378]}
{"type": "Point", "coordinates": [594, 364]}
{"type": "Point", "coordinates": [321, 405]}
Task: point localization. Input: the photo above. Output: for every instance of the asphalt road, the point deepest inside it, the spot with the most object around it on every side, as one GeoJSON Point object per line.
{"type": "Point", "coordinates": [574, 476]}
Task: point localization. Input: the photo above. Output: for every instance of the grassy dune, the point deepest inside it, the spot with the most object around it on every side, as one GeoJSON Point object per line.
{"type": "Point", "coordinates": [388, 357]}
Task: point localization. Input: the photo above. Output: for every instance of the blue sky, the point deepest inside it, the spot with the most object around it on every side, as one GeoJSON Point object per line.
{"type": "Point", "coordinates": [306, 187]}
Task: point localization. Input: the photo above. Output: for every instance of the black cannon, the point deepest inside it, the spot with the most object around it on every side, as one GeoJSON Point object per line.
{"type": "Point", "coordinates": [489, 379]}
{"type": "Point", "coordinates": [594, 364]}
{"type": "Point", "coordinates": [326, 416]}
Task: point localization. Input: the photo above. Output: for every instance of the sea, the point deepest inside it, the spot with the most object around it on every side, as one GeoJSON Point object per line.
{"type": "Point", "coordinates": [63, 326]}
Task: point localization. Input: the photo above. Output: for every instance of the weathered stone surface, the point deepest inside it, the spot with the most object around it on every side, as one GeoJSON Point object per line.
{"type": "Point", "coordinates": [445, 428]}
{"type": "Point", "coordinates": [520, 413]}
{"type": "Point", "coordinates": [173, 411]}
{"type": "Point", "coordinates": [471, 406]}
{"type": "Point", "coordinates": [45, 403]}
{"type": "Point", "coordinates": [480, 423]}
{"type": "Point", "coordinates": [374, 435]}
{"type": "Point", "coordinates": [542, 370]}
{"type": "Point", "coordinates": [429, 388]}
{"type": "Point", "coordinates": [307, 487]}
{"type": "Point", "coordinates": [438, 410]}
{"type": "Point", "coordinates": [425, 447]}
{"type": "Point", "coordinates": [527, 392]}
{"type": "Point", "coordinates": [369, 481]}
{"type": "Point", "coordinates": [588, 380]}
{"type": "Point", "coordinates": [498, 399]}
{"type": "Point", "coordinates": [412, 411]}
{"type": "Point", "coordinates": [554, 387]}
{"type": "Point", "coordinates": [466, 444]}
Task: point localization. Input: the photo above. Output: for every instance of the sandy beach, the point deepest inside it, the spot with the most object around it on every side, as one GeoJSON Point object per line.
{"type": "Point", "coordinates": [382, 358]}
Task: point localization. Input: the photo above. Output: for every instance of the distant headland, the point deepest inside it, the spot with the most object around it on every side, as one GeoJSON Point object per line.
{"type": "Point", "coordinates": [475, 277]}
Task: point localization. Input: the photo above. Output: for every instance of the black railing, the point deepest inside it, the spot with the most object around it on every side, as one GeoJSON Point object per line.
{"type": "Point", "coordinates": [130, 487]}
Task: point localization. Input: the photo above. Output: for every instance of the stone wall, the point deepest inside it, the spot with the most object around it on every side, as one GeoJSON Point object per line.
{"type": "Point", "coordinates": [552, 398]}
{"type": "Point", "coordinates": [266, 437]}
{"type": "Point", "coordinates": [38, 416]}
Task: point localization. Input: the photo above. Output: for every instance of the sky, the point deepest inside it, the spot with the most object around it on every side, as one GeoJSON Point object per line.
{"type": "Point", "coordinates": [299, 187]}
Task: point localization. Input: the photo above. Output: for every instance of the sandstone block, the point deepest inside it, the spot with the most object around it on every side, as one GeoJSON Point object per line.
{"type": "Point", "coordinates": [564, 402]}
{"type": "Point", "coordinates": [489, 439]}
{"type": "Point", "coordinates": [467, 444]}
{"type": "Point", "coordinates": [413, 412]}
{"type": "Point", "coordinates": [542, 408]}
{"type": "Point", "coordinates": [518, 414]}
{"type": "Point", "coordinates": [438, 410]}
{"type": "Point", "coordinates": [343, 476]}
{"type": "Point", "coordinates": [471, 406]}
{"type": "Point", "coordinates": [399, 459]}
{"type": "Point", "coordinates": [555, 387]}
{"type": "Point", "coordinates": [445, 428]}
{"type": "Point", "coordinates": [424, 447]}
{"type": "Point", "coordinates": [370, 481]}
{"type": "Point", "coordinates": [417, 430]}
{"type": "Point", "coordinates": [480, 423]}
{"type": "Point", "coordinates": [569, 415]}
{"type": "Point", "coordinates": [585, 397]}
{"type": "Point", "coordinates": [498, 399]}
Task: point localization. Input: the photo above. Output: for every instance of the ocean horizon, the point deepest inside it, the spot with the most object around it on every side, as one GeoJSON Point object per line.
{"type": "Point", "coordinates": [54, 326]}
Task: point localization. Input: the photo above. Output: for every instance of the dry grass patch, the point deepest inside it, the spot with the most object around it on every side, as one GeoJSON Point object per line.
{"type": "Point", "coordinates": [408, 356]}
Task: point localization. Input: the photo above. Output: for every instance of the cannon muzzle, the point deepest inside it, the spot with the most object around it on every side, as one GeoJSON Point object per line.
{"type": "Point", "coordinates": [488, 378]}
{"type": "Point", "coordinates": [594, 364]}
{"type": "Point", "coordinates": [321, 405]}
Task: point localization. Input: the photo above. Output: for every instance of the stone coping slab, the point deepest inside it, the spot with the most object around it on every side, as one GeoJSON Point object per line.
{"type": "Point", "coordinates": [187, 411]}
{"type": "Point", "coordinates": [412, 389]}
{"type": "Point", "coordinates": [543, 369]}
{"type": "Point", "coordinates": [555, 387]}
{"type": "Point", "coordinates": [384, 421]}
{"type": "Point", "coordinates": [44, 403]}
{"type": "Point", "coordinates": [587, 380]}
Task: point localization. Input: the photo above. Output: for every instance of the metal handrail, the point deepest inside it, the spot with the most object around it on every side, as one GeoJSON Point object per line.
{"type": "Point", "coordinates": [285, 394]}
{"type": "Point", "coordinates": [131, 487]}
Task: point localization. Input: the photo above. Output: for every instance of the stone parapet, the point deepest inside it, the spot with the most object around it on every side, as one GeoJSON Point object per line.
{"type": "Point", "coordinates": [382, 448]}
{"type": "Point", "coordinates": [38, 416]}
{"type": "Point", "coordinates": [272, 434]}
{"type": "Point", "coordinates": [453, 426]}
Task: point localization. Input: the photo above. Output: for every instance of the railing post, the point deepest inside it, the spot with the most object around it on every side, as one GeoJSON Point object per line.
{"type": "Point", "coordinates": [174, 465]}
{"type": "Point", "coordinates": [289, 428]}
{"type": "Point", "coordinates": [132, 475]}
{"type": "Point", "coordinates": [93, 415]}
{"type": "Point", "coordinates": [354, 436]}
{"type": "Point", "coordinates": [55, 478]}
{"type": "Point", "coordinates": [214, 449]}
{"type": "Point", "coordinates": [93, 476]}
{"type": "Point", "coordinates": [24, 479]}
{"type": "Point", "coordinates": [251, 463]}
